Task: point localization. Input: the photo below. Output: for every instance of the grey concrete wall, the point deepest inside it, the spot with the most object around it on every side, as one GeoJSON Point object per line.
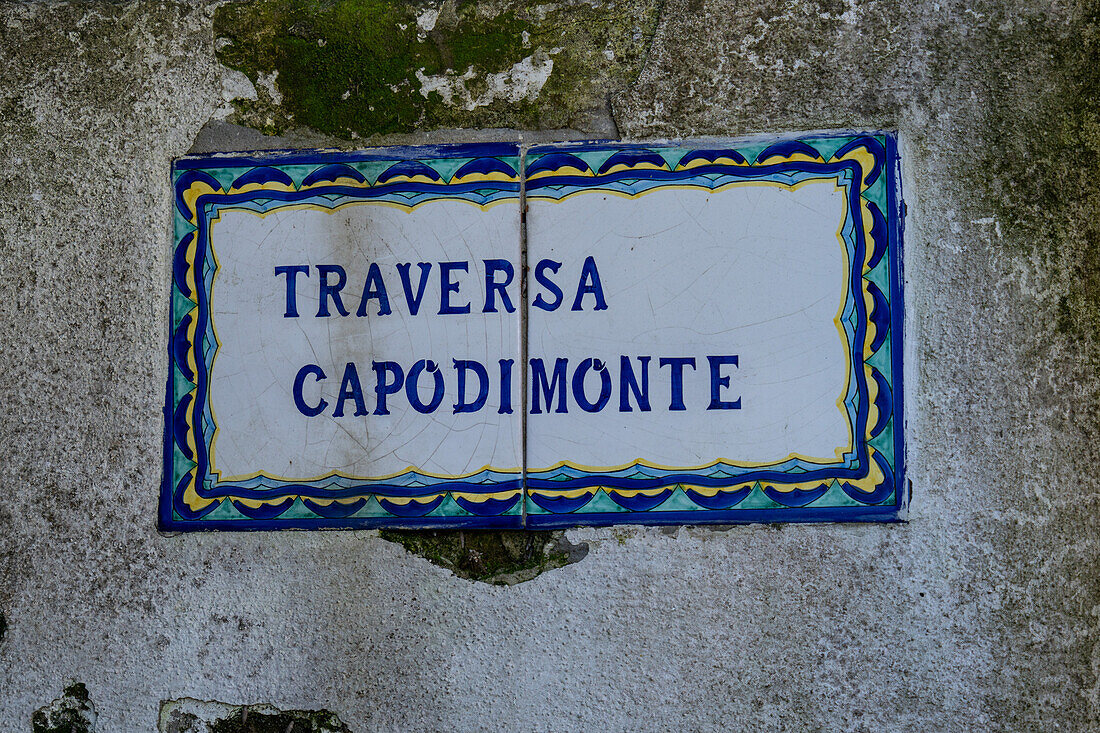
{"type": "Point", "coordinates": [981, 613]}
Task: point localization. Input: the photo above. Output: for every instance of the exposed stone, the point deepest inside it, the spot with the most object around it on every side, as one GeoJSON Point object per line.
{"type": "Point", "coordinates": [499, 557]}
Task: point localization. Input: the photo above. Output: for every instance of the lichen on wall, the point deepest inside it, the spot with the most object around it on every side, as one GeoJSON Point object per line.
{"type": "Point", "coordinates": [357, 68]}
{"type": "Point", "coordinates": [73, 712]}
{"type": "Point", "coordinates": [201, 716]}
{"type": "Point", "coordinates": [1044, 184]}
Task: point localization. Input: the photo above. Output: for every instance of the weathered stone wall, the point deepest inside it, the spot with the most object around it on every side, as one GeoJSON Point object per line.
{"type": "Point", "coordinates": [981, 613]}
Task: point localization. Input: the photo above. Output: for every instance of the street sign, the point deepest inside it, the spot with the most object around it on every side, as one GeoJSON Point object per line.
{"type": "Point", "coordinates": [672, 333]}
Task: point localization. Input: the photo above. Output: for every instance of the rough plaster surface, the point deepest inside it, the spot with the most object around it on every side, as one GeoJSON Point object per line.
{"type": "Point", "coordinates": [980, 613]}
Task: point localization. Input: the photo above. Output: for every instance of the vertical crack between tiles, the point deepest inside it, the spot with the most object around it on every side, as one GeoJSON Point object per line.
{"type": "Point", "coordinates": [523, 330]}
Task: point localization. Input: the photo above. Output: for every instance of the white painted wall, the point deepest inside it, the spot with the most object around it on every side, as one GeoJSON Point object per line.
{"type": "Point", "coordinates": [980, 613]}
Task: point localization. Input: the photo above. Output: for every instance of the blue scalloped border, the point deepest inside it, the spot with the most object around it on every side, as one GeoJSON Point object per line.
{"type": "Point", "coordinates": [271, 164]}
{"type": "Point", "coordinates": [393, 166]}
{"type": "Point", "coordinates": [894, 492]}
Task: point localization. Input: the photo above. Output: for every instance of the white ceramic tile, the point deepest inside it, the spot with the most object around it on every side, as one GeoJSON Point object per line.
{"type": "Point", "coordinates": [260, 427]}
{"type": "Point", "coordinates": [752, 272]}
{"type": "Point", "coordinates": [346, 341]}
{"type": "Point", "coordinates": [700, 319]}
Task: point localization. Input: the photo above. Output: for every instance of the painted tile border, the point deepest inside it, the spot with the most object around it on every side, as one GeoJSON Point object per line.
{"type": "Point", "coordinates": [871, 488]}
{"type": "Point", "coordinates": [192, 497]}
{"type": "Point", "coordinates": [863, 488]}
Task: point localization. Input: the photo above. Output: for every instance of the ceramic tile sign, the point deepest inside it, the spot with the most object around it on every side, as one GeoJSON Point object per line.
{"type": "Point", "coordinates": [714, 332]}
{"type": "Point", "coordinates": [346, 341]}
{"type": "Point", "coordinates": [710, 332]}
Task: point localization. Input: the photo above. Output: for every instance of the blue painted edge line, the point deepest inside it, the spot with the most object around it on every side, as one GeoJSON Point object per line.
{"type": "Point", "coordinates": [878, 514]}
{"type": "Point", "coordinates": [717, 141]}
{"type": "Point", "coordinates": [512, 521]}
{"type": "Point", "coordinates": [896, 228]}
{"type": "Point", "coordinates": [164, 506]}
{"type": "Point", "coordinates": [318, 157]}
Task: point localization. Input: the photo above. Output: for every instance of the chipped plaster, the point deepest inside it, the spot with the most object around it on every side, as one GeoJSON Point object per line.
{"type": "Point", "coordinates": [522, 81]}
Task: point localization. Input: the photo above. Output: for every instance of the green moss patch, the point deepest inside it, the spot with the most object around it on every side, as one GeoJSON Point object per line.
{"type": "Point", "coordinates": [1040, 165]}
{"type": "Point", "coordinates": [187, 715]}
{"type": "Point", "coordinates": [245, 720]}
{"type": "Point", "coordinates": [358, 68]}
